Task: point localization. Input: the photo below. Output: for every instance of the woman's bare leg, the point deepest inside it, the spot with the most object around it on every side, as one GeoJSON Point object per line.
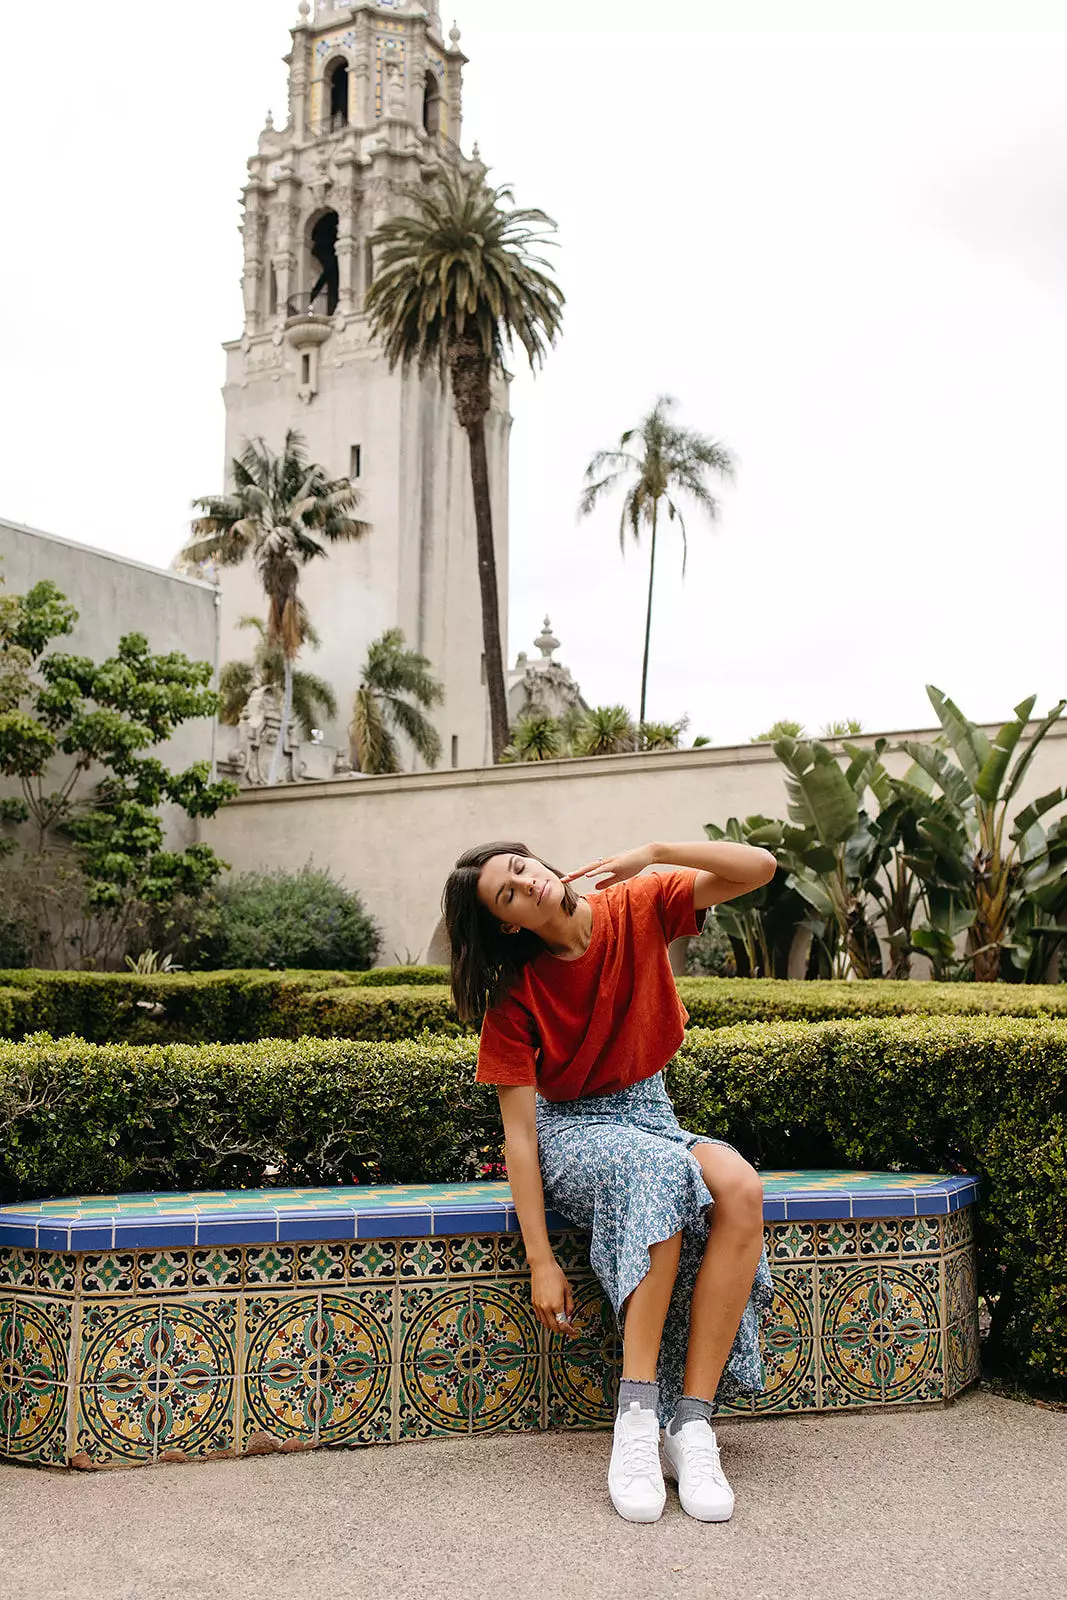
{"type": "Point", "coordinates": [645, 1311]}
{"type": "Point", "coordinates": [731, 1255]}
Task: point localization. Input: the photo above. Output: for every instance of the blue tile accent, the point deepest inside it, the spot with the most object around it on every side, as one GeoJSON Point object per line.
{"type": "Point", "coordinates": [247, 1230]}
{"type": "Point", "coordinates": [90, 1236]}
{"type": "Point", "coordinates": [154, 1235]}
{"type": "Point", "coordinates": [50, 1237]}
{"type": "Point", "coordinates": [19, 1233]}
{"type": "Point", "coordinates": [392, 1224]}
{"type": "Point", "coordinates": [317, 1225]}
{"type": "Point", "coordinates": [773, 1208]}
{"type": "Point", "coordinates": [818, 1207]}
{"type": "Point", "coordinates": [463, 1219]}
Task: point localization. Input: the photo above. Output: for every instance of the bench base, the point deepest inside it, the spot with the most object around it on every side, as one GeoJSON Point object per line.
{"type": "Point", "coordinates": [124, 1357]}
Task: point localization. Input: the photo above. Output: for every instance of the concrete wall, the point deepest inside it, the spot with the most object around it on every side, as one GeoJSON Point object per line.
{"type": "Point", "coordinates": [114, 596]}
{"type": "Point", "coordinates": [395, 839]}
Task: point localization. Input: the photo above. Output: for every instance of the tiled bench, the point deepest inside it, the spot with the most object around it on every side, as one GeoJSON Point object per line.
{"type": "Point", "coordinates": [166, 1327]}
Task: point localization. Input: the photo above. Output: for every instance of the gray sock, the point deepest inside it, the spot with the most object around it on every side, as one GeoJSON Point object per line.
{"type": "Point", "coordinates": [646, 1394]}
{"type": "Point", "coordinates": [688, 1409]}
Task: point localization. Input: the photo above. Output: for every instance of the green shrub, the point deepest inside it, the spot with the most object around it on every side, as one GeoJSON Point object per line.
{"type": "Point", "coordinates": [289, 919]}
{"type": "Point", "coordinates": [984, 1095]}
{"type": "Point", "coordinates": [399, 1002]}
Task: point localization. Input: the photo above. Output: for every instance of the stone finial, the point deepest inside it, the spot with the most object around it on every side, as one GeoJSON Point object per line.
{"type": "Point", "coordinates": [304, 9]}
{"type": "Point", "coordinates": [269, 124]}
{"type": "Point", "coordinates": [546, 641]}
{"type": "Point", "coordinates": [454, 36]}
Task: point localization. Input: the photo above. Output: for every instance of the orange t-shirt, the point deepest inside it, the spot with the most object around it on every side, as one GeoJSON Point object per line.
{"type": "Point", "coordinates": [608, 1019]}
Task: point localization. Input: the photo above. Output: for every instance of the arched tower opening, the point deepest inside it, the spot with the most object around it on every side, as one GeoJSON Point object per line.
{"type": "Point", "coordinates": [336, 86]}
{"type": "Point", "coordinates": [431, 103]}
{"type": "Point", "coordinates": [322, 273]}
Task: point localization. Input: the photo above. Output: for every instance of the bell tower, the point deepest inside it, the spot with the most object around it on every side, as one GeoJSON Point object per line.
{"type": "Point", "coordinates": [374, 108]}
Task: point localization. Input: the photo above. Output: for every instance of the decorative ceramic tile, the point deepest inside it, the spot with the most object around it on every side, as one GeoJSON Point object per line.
{"type": "Point", "coordinates": [851, 1320]}
{"type": "Point", "coordinates": [217, 1268]}
{"type": "Point", "coordinates": [194, 1416]}
{"type": "Point", "coordinates": [424, 1258]}
{"type": "Point", "coordinates": [321, 1263]}
{"type": "Point", "coordinates": [109, 1273]}
{"type": "Point", "coordinates": [270, 1264]}
{"type": "Point", "coordinates": [921, 1236]}
{"type": "Point", "coordinates": [162, 1269]}
{"type": "Point", "coordinates": [434, 1333]}
{"type": "Point", "coordinates": [33, 1421]}
{"type": "Point", "coordinates": [909, 1335]}
{"type": "Point", "coordinates": [280, 1367]}
{"type": "Point", "coordinates": [471, 1254]}
{"type": "Point", "coordinates": [373, 1258]}
{"type": "Point", "coordinates": [120, 1341]}
{"type": "Point", "coordinates": [571, 1250]}
{"type": "Point", "coordinates": [959, 1228]}
{"type": "Point", "coordinates": [791, 1241]}
{"type": "Point", "coordinates": [355, 1372]}
{"type": "Point", "coordinates": [837, 1240]}
{"type": "Point", "coordinates": [880, 1237]}
{"type": "Point", "coordinates": [788, 1343]}
{"type": "Point", "coordinates": [582, 1371]}
{"type": "Point", "coordinates": [36, 1341]}
{"type": "Point", "coordinates": [511, 1253]}
{"type": "Point", "coordinates": [115, 1422]}
{"type": "Point", "coordinates": [962, 1347]}
{"type": "Point", "coordinates": [56, 1273]}
{"type": "Point", "coordinates": [198, 1339]}
{"type": "Point", "coordinates": [17, 1267]}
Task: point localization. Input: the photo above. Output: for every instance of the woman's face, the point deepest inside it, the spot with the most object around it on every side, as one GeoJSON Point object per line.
{"type": "Point", "coordinates": [520, 891]}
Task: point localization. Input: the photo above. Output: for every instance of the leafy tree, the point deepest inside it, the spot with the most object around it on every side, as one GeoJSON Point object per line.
{"type": "Point", "coordinates": [280, 512]}
{"type": "Point", "coordinates": [536, 736]}
{"type": "Point", "coordinates": [303, 919]}
{"type": "Point", "coordinates": [784, 728]}
{"type": "Point", "coordinates": [979, 867]}
{"type": "Point", "coordinates": [458, 280]}
{"type": "Point", "coordinates": [667, 461]}
{"type": "Point", "coordinates": [605, 731]}
{"type": "Point", "coordinates": [842, 727]}
{"type": "Point", "coordinates": [662, 735]}
{"type": "Point", "coordinates": [395, 687]}
{"type": "Point", "coordinates": [89, 851]}
{"type": "Point", "coordinates": [761, 925]}
{"type": "Point", "coordinates": [313, 698]}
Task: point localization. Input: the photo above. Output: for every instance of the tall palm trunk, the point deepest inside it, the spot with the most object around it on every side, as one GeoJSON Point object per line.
{"type": "Point", "coordinates": [648, 615]}
{"type": "Point", "coordinates": [470, 386]}
{"type": "Point", "coordinates": [287, 712]}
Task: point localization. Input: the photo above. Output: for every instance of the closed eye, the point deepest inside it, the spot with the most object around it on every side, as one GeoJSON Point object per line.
{"type": "Point", "coordinates": [511, 892]}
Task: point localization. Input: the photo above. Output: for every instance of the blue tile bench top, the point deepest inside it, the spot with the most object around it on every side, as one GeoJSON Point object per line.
{"type": "Point", "coordinates": [259, 1216]}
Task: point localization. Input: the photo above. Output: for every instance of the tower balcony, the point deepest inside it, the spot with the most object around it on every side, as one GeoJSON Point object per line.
{"type": "Point", "coordinates": [308, 322]}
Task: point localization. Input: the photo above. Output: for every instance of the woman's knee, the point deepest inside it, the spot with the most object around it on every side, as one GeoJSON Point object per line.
{"type": "Point", "coordinates": [735, 1186]}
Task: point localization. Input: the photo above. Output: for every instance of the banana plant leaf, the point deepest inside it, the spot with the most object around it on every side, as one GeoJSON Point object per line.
{"type": "Point", "coordinates": [968, 741]}
{"type": "Point", "coordinates": [1019, 770]}
{"type": "Point", "coordinates": [987, 784]}
{"type": "Point", "coordinates": [818, 791]}
{"type": "Point", "coordinates": [936, 764]}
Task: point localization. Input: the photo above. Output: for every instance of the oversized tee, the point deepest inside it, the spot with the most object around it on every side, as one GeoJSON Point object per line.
{"type": "Point", "coordinates": [608, 1018]}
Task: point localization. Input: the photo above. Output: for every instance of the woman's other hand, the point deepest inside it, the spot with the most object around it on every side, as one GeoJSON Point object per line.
{"type": "Point", "coordinates": [617, 868]}
{"type": "Point", "coordinates": [551, 1292]}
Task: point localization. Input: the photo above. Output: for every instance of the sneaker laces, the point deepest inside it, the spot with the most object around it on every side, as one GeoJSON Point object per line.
{"type": "Point", "coordinates": [639, 1455]}
{"type": "Point", "coordinates": [702, 1460]}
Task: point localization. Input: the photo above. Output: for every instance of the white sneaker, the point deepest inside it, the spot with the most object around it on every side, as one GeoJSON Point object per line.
{"type": "Point", "coordinates": [693, 1458]}
{"type": "Point", "coordinates": [635, 1478]}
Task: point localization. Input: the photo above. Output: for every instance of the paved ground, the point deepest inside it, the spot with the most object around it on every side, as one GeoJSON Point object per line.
{"type": "Point", "coordinates": [963, 1502]}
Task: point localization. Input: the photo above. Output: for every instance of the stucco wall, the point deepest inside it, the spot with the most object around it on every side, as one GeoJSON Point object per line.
{"type": "Point", "coordinates": [114, 596]}
{"type": "Point", "coordinates": [395, 839]}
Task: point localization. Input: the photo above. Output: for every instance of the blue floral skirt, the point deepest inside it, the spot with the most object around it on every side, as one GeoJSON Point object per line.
{"type": "Point", "coordinates": [620, 1165]}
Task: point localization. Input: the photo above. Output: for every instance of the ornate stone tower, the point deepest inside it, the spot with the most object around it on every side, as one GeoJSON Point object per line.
{"type": "Point", "coordinates": [374, 106]}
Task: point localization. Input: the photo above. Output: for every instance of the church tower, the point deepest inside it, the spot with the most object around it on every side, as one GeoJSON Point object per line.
{"type": "Point", "coordinates": [374, 106]}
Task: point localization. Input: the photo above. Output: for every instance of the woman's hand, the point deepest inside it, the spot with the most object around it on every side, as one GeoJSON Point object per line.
{"type": "Point", "coordinates": [618, 868]}
{"type": "Point", "coordinates": [551, 1292]}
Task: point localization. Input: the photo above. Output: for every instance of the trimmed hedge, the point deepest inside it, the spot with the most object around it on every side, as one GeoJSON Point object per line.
{"type": "Point", "coordinates": [985, 1095]}
{"type": "Point", "coordinates": [399, 1002]}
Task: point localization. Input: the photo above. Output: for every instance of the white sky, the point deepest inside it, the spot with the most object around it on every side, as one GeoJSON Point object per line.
{"type": "Point", "coordinates": [841, 247]}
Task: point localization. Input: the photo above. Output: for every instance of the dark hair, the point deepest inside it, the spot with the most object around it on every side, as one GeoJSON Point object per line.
{"type": "Point", "coordinates": [485, 961]}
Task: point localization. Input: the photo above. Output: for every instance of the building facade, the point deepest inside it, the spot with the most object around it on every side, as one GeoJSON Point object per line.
{"type": "Point", "coordinates": [375, 107]}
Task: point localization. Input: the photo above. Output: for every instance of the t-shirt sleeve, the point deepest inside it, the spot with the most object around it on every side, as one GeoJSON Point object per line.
{"type": "Point", "coordinates": [672, 895]}
{"type": "Point", "coordinates": [507, 1047]}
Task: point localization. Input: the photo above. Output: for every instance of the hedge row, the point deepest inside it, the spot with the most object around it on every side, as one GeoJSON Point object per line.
{"type": "Point", "coordinates": [398, 1002]}
{"type": "Point", "coordinates": [982, 1095]}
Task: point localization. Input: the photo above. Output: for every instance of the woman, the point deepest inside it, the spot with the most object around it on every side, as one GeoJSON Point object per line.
{"type": "Point", "coordinates": [580, 1015]}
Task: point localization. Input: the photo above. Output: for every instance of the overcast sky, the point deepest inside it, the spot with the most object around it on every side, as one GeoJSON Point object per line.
{"type": "Point", "coordinates": [842, 248]}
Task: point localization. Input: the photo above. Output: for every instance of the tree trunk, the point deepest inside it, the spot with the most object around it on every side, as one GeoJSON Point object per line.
{"type": "Point", "coordinates": [483, 519]}
{"type": "Point", "coordinates": [648, 615]}
{"type": "Point", "coordinates": [287, 712]}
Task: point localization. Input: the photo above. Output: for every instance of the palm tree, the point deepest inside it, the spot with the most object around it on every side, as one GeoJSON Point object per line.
{"type": "Point", "coordinates": [313, 698]}
{"type": "Point", "coordinates": [389, 673]}
{"type": "Point", "coordinates": [281, 510]}
{"type": "Point", "coordinates": [668, 460]}
{"type": "Point", "coordinates": [456, 282]}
